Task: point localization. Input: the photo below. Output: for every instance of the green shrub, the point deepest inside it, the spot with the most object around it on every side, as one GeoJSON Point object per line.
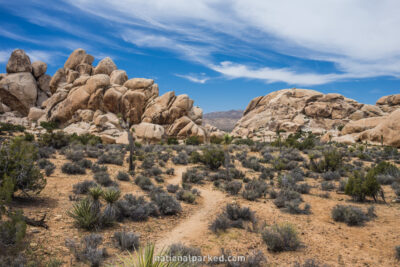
{"type": "Point", "coordinates": [29, 137]}
{"type": "Point", "coordinates": [216, 140]}
{"type": "Point", "coordinates": [12, 231]}
{"type": "Point", "coordinates": [8, 127]}
{"type": "Point", "coordinates": [247, 142]}
{"type": "Point", "coordinates": [255, 189]}
{"type": "Point", "coordinates": [86, 139]}
{"type": "Point", "coordinates": [72, 168]}
{"type": "Point", "coordinates": [186, 196]}
{"type": "Point", "coordinates": [144, 183]}
{"type": "Point", "coordinates": [18, 162]}
{"type": "Point", "coordinates": [351, 215]}
{"type": "Point", "coordinates": [213, 158]}
{"type": "Point", "coordinates": [56, 140]}
{"type": "Point", "coordinates": [233, 216]}
{"type": "Point", "coordinates": [172, 141]}
{"type": "Point", "coordinates": [281, 237]}
{"type": "Point", "coordinates": [193, 175]}
{"type": "Point", "coordinates": [122, 176]}
{"type": "Point", "coordinates": [233, 187]}
{"type": "Point", "coordinates": [360, 186]}
{"type": "Point", "coordinates": [49, 125]}
{"type": "Point", "coordinates": [331, 161]}
{"type": "Point", "coordinates": [193, 140]}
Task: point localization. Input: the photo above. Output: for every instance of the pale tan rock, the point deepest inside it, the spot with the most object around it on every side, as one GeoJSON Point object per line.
{"type": "Point", "coordinates": [72, 75]}
{"type": "Point", "coordinates": [39, 68]}
{"type": "Point", "coordinates": [81, 80]}
{"type": "Point", "coordinates": [105, 66]}
{"type": "Point", "coordinates": [18, 62]}
{"type": "Point", "coordinates": [19, 91]}
{"type": "Point", "coordinates": [360, 125]}
{"type": "Point", "coordinates": [78, 128]}
{"type": "Point", "coordinates": [112, 99]}
{"type": "Point", "coordinates": [77, 57]}
{"type": "Point", "coordinates": [118, 77]}
{"type": "Point", "coordinates": [58, 79]}
{"type": "Point", "coordinates": [107, 139]}
{"type": "Point", "coordinates": [101, 120]}
{"type": "Point", "coordinates": [138, 83]}
{"type": "Point", "coordinates": [148, 131]}
{"type": "Point", "coordinates": [35, 113]}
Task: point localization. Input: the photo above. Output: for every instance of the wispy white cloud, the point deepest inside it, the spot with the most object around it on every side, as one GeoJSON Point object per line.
{"type": "Point", "coordinates": [4, 55]}
{"type": "Point", "coordinates": [196, 78]}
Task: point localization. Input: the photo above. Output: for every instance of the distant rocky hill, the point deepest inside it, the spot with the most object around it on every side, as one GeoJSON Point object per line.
{"type": "Point", "coordinates": [334, 116]}
{"type": "Point", "coordinates": [223, 120]}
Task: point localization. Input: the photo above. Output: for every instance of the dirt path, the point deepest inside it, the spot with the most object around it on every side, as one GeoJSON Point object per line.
{"type": "Point", "coordinates": [197, 224]}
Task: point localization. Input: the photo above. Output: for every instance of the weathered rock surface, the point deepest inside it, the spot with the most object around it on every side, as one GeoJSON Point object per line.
{"type": "Point", "coordinates": [18, 62]}
{"type": "Point", "coordinates": [307, 110]}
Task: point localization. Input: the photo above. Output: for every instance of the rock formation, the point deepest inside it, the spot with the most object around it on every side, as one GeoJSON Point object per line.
{"type": "Point", "coordinates": [25, 85]}
{"type": "Point", "coordinates": [332, 115]}
{"type": "Point", "coordinates": [96, 99]}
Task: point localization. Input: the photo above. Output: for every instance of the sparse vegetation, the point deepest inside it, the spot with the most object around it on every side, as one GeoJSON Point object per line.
{"type": "Point", "coordinates": [351, 215]}
{"type": "Point", "coordinates": [281, 237]}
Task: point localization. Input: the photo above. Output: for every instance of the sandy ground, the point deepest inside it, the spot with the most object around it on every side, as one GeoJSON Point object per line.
{"type": "Point", "coordinates": [330, 242]}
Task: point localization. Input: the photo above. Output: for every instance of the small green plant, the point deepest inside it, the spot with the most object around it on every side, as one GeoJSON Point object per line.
{"type": "Point", "coordinates": [213, 158]}
{"type": "Point", "coordinates": [193, 140]}
{"type": "Point", "coordinates": [8, 127]}
{"type": "Point", "coordinates": [360, 186]}
{"type": "Point", "coordinates": [49, 126]}
{"type": "Point", "coordinates": [172, 141]}
{"type": "Point", "coordinates": [83, 215]}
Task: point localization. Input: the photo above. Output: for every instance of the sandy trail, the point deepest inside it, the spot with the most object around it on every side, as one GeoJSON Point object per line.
{"type": "Point", "coordinates": [197, 224]}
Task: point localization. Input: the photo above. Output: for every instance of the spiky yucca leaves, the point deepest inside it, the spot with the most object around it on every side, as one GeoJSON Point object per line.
{"type": "Point", "coordinates": [95, 193]}
{"type": "Point", "coordinates": [111, 212]}
{"type": "Point", "coordinates": [83, 215]}
{"type": "Point", "coordinates": [146, 258]}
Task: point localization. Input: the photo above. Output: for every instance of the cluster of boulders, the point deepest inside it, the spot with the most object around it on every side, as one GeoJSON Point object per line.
{"type": "Point", "coordinates": [101, 100]}
{"type": "Point", "coordinates": [333, 116]}
{"type": "Point", "coordinates": [25, 84]}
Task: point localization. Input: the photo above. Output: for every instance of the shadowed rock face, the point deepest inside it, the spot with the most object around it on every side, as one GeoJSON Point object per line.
{"type": "Point", "coordinates": [308, 110]}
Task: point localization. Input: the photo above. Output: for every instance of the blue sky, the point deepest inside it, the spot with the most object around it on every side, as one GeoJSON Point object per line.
{"type": "Point", "coordinates": [222, 53]}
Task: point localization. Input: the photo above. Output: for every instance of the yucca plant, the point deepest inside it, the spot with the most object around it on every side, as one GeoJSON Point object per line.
{"type": "Point", "coordinates": [146, 258]}
{"type": "Point", "coordinates": [83, 215]}
{"type": "Point", "coordinates": [95, 193]}
{"type": "Point", "coordinates": [111, 212]}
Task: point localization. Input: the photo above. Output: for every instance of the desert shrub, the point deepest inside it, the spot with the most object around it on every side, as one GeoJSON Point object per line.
{"type": "Point", "coordinates": [195, 157]}
{"type": "Point", "coordinates": [136, 208]}
{"type": "Point", "coordinates": [384, 170]}
{"type": "Point", "coordinates": [167, 205]}
{"type": "Point", "coordinates": [186, 196]}
{"type": "Point", "coordinates": [98, 168]}
{"type": "Point", "coordinates": [8, 127]}
{"type": "Point", "coordinates": [12, 230]}
{"type": "Point", "coordinates": [172, 141]}
{"type": "Point", "coordinates": [45, 151]}
{"type": "Point", "coordinates": [42, 163]}
{"type": "Point", "coordinates": [252, 163]}
{"type": "Point", "coordinates": [56, 140]}
{"type": "Point", "coordinates": [85, 163]}
{"type": "Point", "coordinates": [103, 178]}
{"type": "Point", "coordinates": [360, 186]}
{"type": "Point", "coordinates": [127, 240]}
{"type": "Point", "coordinates": [247, 142]}
{"type": "Point", "coordinates": [29, 137]}
{"type": "Point", "coordinates": [342, 185]}
{"type": "Point", "coordinates": [83, 214]}
{"type": "Point", "coordinates": [94, 195]}
{"type": "Point", "coordinates": [281, 237]}
{"type": "Point", "coordinates": [193, 141]}
{"type": "Point", "coordinates": [49, 169]}
{"type": "Point", "coordinates": [72, 168]}
{"type": "Point", "coordinates": [255, 189]}
{"type": "Point", "coordinates": [154, 171]}
{"type": "Point", "coordinates": [179, 249]}
{"type": "Point", "coordinates": [18, 163]}
{"type": "Point", "coordinates": [331, 176]}
{"type": "Point", "coordinates": [233, 216]}
{"type": "Point", "coordinates": [327, 186]}
{"type": "Point", "coordinates": [170, 171]}
{"type": "Point", "coordinates": [123, 176]}
{"type": "Point", "coordinates": [300, 142]}
{"type": "Point", "coordinates": [88, 250]}
{"type": "Point", "coordinates": [255, 259]}
{"type": "Point", "coordinates": [233, 187]}
{"type": "Point", "coordinates": [182, 158]}
{"type": "Point", "coordinates": [93, 152]}
{"type": "Point", "coordinates": [397, 250]}
{"type": "Point", "coordinates": [83, 187]}
{"type": "Point", "coordinates": [148, 162]}
{"type": "Point", "coordinates": [144, 183]}
{"type": "Point", "coordinates": [74, 155]}
{"type": "Point", "coordinates": [213, 158]}
{"type": "Point", "coordinates": [385, 179]}
{"type": "Point", "coordinates": [164, 157]}
{"type": "Point", "coordinates": [331, 161]}
{"type": "Point", "coordinates": [111, 157]}
{"type": "Point", "coordinates": [267, 173]}
{"type": "Point", "coordinates": [49, 125]}
{"type": "Point", "coordinates": [289, 201]}
{"type": "Point", "coordinates": [193, 175]}
{"type": "Point", "coordinates": [85, 139]}
{"type": "Point", "coordinates": [351, 215]}
{"type": "Point", "coordinates": [171, 188]}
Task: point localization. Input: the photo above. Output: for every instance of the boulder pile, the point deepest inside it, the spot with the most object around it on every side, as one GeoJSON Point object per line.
{"type": "Point", "coordinates": [100, 100]}
{"type": "Point", "coordinates": [333, 116]}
